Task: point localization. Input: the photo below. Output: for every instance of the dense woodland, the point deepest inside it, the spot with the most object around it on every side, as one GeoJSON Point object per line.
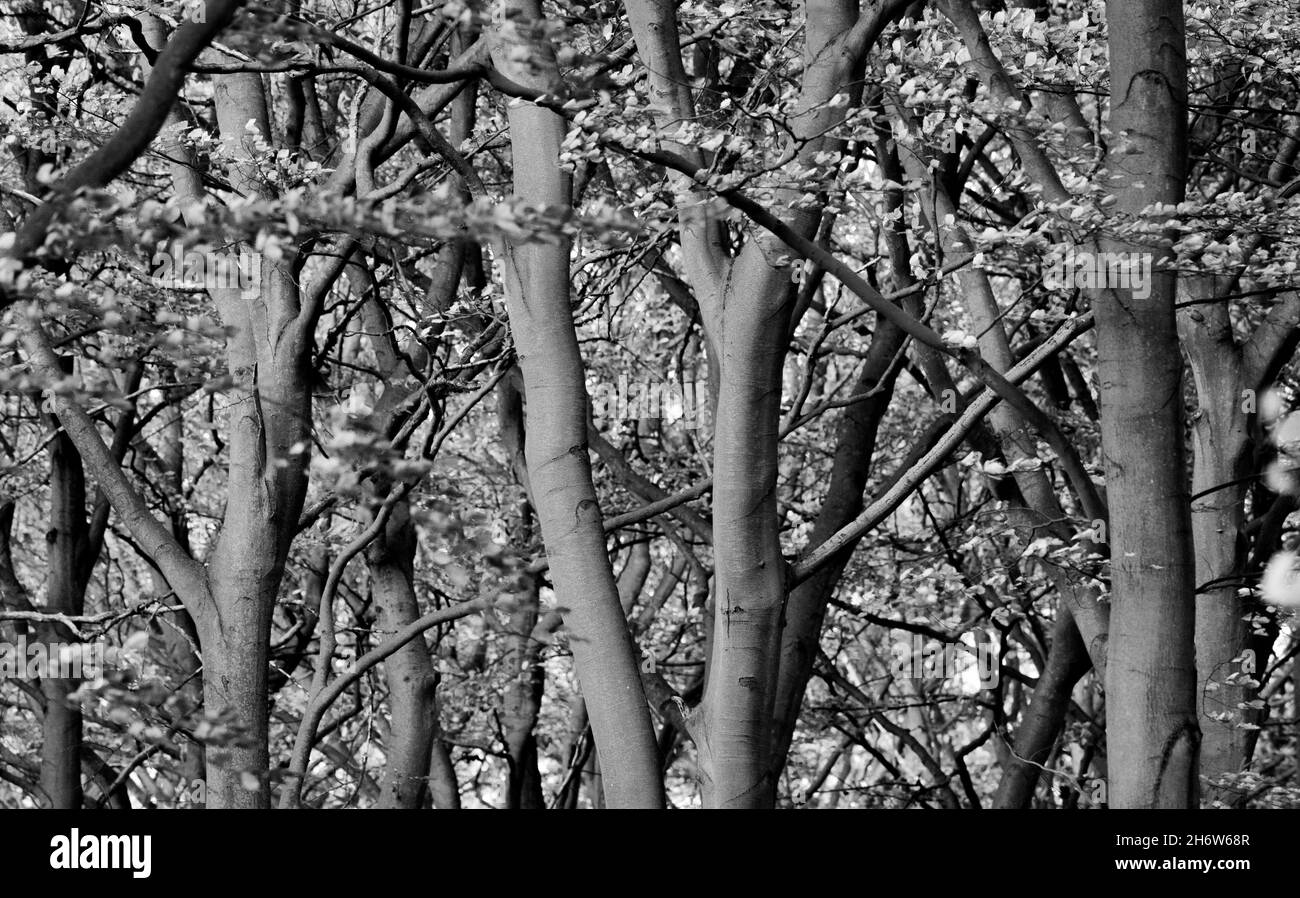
{"type": "Point", "coordinates": [640, 403]}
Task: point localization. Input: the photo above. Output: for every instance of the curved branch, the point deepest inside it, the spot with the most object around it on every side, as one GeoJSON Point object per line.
{"type": "Point", "coordinates": [320, 704]}
{"type": "Point", "coordinates": [136, 132]}
{"type": "Point", "coordinates": [903, 487]}
{"type": "Point", "coordinates": [185, 575]}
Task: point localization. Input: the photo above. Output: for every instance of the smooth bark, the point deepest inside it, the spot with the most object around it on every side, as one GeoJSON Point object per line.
{"type": "Point", "coordinates": [1152, 734]}
{"type": "Point", "coordinates": [537, 300]}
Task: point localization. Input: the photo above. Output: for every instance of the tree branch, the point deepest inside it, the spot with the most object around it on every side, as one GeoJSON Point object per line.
{"type": "Point", "coordinates": [185, 575]}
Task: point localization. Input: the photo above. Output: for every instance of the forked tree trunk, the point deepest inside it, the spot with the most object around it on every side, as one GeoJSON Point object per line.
{"type": "Point", "coordinates": [269, 354]}
{"type": "Point", "coordinates": [736, 740]}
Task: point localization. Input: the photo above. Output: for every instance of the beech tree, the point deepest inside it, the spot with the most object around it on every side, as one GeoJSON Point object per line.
{"type": "Point", "coordinates": [837, 403]}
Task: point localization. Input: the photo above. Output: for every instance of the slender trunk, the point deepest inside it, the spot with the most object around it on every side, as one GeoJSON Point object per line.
{"type": "Point", "coordinates": [537, 301]}
{"type": "Point", "coordinates": [855, 444]}
{"type": "Point", "coordinates": [61, 743]}
{"type": "Point", "coordinates": [756, 313]}
{"type": "Point", "coordinates": [408, 671]}
{"type": "Point", "coordinates": [631, 580]}
{"type": "Point", "coordinates": [1067, 662]}
{"type": "Point", "coordinates": [179, 635]}
{"type": "Point", "coordinates": [1041, 511]}
{"type": "Point", "coordinates": [750, 570]}
{"type": "Point", "coordinates": [1082, 619]}
{"type": "Point", "coordinates": [1151, 728]}
{"type": "Point", "coordinates": [521, 704]}
{"type": "Point", "coordinates": [444, 789]}
{"type": "Point", "coordinates": [522, 700]}
{"type": "Point", "coordinates": [1220, 447]}
{"type": "Point", "coordinates": [65, 594]}
{"type": "Point", "coordinates": [576, 751]}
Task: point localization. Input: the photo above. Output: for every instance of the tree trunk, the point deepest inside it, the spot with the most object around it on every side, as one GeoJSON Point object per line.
{"type": "Point", "coordinates": [1041, 723]}
{"type": "Point", "coordinates": [1151, 728]}
{"type": "Point", "coordinates": [855, 444]}
{"type": "Point", "coordinates": [736, 739]}
{"type": "Point", "coordinates": [65, 594]}
{"type": "Point", "coordinates": [179, 635]}
{"type": "Point", "coordinates": [269, 353]}
{"type": "Point", "coordinates": [521, 704]}
{"type": "Point", "coordinates": [1220, 446]}
{"type": "Point", "coordinates": [235, 655]}
{"type": "Point", "coordinates": [408, 671]}
{"type": "Point", "coordinates": [444, 790]}
{"type": "Point", "coordinates": [537, 300]}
